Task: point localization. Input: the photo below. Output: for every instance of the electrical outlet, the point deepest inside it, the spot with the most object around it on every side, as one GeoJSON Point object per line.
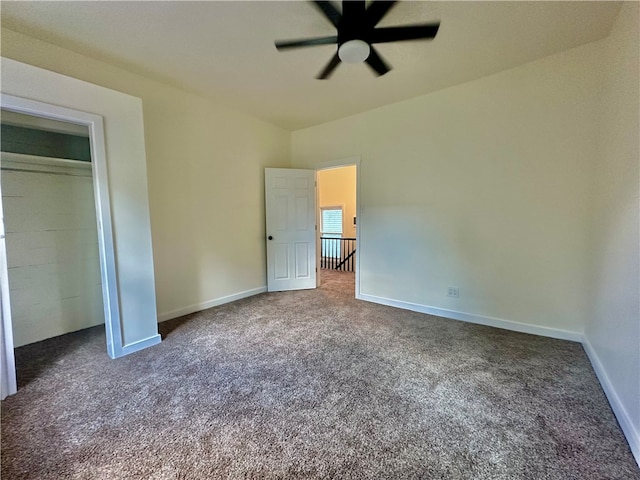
{"type": "Point", "coordinates": [453, 292]}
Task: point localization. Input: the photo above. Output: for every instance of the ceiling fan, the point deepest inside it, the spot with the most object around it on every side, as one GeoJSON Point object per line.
{"type": "Point", "coordinates": [357, 33]}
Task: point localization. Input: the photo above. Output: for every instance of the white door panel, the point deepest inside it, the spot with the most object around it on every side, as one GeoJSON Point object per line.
{"type": "Point", "coordinates": [291, 228]}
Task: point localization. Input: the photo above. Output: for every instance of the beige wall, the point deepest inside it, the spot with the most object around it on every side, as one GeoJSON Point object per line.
{"type": "Point", "coordinates": [613, 327]}
{"type": "Point", "coordinates": [482, 186]}
{"type": "Point", "coordinates": [337, 187]}
{"type": "Point", "coordinates": [205, 176]}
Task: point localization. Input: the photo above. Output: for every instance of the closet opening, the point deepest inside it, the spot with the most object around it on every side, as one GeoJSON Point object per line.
{"type": "Point", "coordinates": [50, 227]}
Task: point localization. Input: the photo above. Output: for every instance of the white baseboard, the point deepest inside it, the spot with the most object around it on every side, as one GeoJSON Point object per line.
{"type": "Point", "coordinates": [628, 428]}
{"type": "Point", "coordinates": [479, 319]}
{"type": "Point", "coordinates": [209, 304]}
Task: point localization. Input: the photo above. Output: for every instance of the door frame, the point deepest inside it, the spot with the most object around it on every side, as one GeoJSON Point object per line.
{"type": "Point", "coordinates": [102, 201]}
{"type": "Point", "coordinates": [342, 162]}
{"type": "Point", "coordinates": [8, 385]}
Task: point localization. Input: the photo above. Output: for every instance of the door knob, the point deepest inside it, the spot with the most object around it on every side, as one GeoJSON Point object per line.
{"type": "Point", "coordinates": [270, 237]}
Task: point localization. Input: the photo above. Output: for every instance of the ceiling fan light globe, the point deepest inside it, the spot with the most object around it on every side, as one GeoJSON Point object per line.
{"type": "Point", "coordinates": [354, 51]}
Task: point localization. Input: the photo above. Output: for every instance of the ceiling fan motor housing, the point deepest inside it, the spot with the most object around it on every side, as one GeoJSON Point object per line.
{"type": "Point", "coordinates": [354, 51]}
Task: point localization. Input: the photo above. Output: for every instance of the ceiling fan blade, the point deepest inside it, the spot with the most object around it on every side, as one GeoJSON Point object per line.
{"type": "Point", "coordinates": [353, 10]}
{"type": "Point", "coordinates": [306, 42]}
{"type": "Point", "coordinates": [409, 32]}
{"type": "Point", "coordinates": [377, 10]}
{"type": "Point", "coordinates": [329, 68]}
{"type": "Point", "coordinates": [329, 11]}
{"type": "Point", "coordinates": [376, 62]}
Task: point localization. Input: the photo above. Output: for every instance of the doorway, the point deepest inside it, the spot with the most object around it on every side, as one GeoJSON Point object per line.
{"type": "Point", "coordinates": [116, 132]}
{"type": "Point", "coordinates": [338, 223]}
{"type": "Point", "coordinates": [29, 114]}
{"type": "Point", "coordinates": [50, 227]}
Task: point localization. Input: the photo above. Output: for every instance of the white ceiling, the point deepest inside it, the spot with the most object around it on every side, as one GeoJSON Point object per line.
{"type": "Point", "coordinates": [224, 50]}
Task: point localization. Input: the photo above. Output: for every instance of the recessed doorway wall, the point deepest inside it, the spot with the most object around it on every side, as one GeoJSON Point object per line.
{"type": "Point", "coordinates": [122, 208]}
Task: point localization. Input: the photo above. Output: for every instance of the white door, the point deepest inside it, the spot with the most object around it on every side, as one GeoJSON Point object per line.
{"type": "Point", "coordinates": [290, 196]}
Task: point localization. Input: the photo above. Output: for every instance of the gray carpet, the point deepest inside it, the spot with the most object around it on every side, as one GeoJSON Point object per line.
{"type": "Point", "coordinates": [312, 384]}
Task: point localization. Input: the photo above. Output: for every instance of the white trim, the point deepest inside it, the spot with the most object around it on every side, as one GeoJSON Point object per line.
{"type": "Point", "coordinates": [341, 162]}
{"type": "Point", "coordinates": [106, 249]}
{"type": "Point", "coordinates": [478, 319]}
{"type": "Point", "coordinates": [209, 304]}
{"type": "Point", "coordinates": [140, 345]}
{"type": "Point", "coordinates": [8, 382]}
{"type": "Point", "coordinates": [626, 424]}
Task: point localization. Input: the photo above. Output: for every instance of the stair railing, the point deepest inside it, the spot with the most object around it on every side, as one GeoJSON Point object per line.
{"type": "Point", "coordinates": [338, 253]}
